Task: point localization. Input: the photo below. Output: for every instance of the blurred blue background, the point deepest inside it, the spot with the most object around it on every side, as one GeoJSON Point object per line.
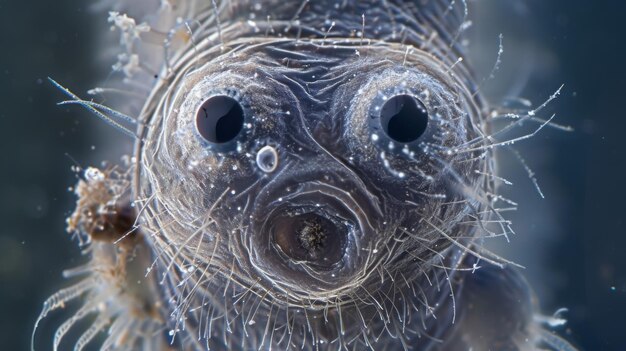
{"type": "Point", "coordinates": [573, 242]}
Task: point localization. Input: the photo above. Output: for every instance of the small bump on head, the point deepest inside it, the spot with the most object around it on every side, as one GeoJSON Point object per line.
{"type": "Point", "coordinates": [267, 159]}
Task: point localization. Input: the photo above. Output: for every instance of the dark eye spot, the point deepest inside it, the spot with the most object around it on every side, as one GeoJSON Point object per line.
{"type": "Point", "coordinates": [219, 119]}
{"type": "Point", "coordinates": [404, 118]}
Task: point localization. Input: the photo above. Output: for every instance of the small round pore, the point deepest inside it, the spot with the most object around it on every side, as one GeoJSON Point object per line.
{"type": "Point", "coordinates": [267, 159]}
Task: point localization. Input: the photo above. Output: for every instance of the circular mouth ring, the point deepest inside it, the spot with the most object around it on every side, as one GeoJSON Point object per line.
{"type": "Point", "coordinates": [341, 232]}
{"type": "Point", "coordinates": [343, 198]}
{"type": "Point", "coordinates": [325, 200]}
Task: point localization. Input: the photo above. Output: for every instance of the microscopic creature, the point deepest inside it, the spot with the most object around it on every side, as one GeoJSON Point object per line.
{"type": "Point", "coordinates": [307, 175]}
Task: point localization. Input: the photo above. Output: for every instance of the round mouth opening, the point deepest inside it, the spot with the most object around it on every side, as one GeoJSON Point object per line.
{"type": "Point", "coordinates": [311, 236]}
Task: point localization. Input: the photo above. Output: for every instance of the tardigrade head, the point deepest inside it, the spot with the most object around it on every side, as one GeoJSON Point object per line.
{"type": "Point", "coordinates": [311, 186]}
{"type": "Point", "coordinates": [308, 175]}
